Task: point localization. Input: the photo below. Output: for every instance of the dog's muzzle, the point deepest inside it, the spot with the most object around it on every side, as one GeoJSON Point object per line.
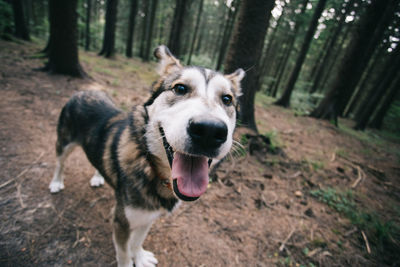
{"type": "Point", "coordinates": [189, 172]}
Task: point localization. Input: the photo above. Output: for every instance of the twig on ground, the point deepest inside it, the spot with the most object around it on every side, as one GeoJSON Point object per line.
{"type": "Point", "coordinates": [25, 170]}
{"type": "Point", "coordinates": [333, 156]}
{"type": "Point", "coordinates": [21, 202]}
{"type": "Point", "coordinates": [286, 240]}
{"type": "Point", "coordinates": [366, 242]}
{"type": "Point", "coordinates": [359, 179]}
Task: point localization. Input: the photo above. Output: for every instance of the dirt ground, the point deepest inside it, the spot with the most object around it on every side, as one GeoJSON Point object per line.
{"type": "Point", "coordinates": [258, 211]}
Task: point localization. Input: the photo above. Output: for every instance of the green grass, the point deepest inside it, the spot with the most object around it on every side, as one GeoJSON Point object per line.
{"type": "Point", "coordinates": [275, 141]}
{"type": "Point", "coordinates": [382, 234]}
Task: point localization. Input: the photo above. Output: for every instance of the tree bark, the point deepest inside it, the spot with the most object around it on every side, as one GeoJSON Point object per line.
{"type": "Point", "coordinates": [108, 48]}
{"type": "Point", "coordinates": [285, 98]}
{"type": "Point", "coordinates": [383, 83]}
{"type": "Point", "coordinates": [174, 42]}
{"type": "Point", "coordinates": [245, 50]}
{"type": "Point", "coordinates": [145, 25]}
{"type": "Point", "coordinates": [227, 34]}
{"type": "Point", "coordinates": [87, 30]}
{"type": "Point", "coordinates": [330, 47]}
{"type": "Point", "coordinates": [131, 27]}
{"type": "Point", "coordinates": [63, 56]}
{"type": "Point", "coordinates": [266, 59]}
{"type": "Point", "coordinates": [364, 83]}
{"type": "Point", "coordinates": [289, 44]}
{"type": "Point", "coordinates": [21, 26]}
{"type": "Point", "coordinates": [196, 30]}
{"type": "Point", "coordinates": [356, 57]}
{"type": "Point", "coordinates": [377, 120]}
{"type": "Point", "coordinates": [149, 36]}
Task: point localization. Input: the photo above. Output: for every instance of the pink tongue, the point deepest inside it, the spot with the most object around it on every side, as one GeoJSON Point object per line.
{"type": "Point", "coordinates": [191, 174]}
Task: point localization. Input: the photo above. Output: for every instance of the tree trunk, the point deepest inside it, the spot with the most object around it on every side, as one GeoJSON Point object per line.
{"type": "Point", "coordinates": [382, 85]}
{"type": "Point", "coordinates": [145, 25]}
{"type": "Point", "coordinates": [245, 50]}
{"type": "Point", "coordinates": [108, 49]}
{"type": "Point", "coordinates": [21, 26]}
{"type": "Point", "coordinates": [227, 34]}
{"type": "Point", "coordinates": [285, 98]}
{"type": "Point", "coordinates": [87, 31]}
{"type": "Point", "coordinates": [288, 48]}
{"type": "Point", "coordinates": [131, 27]}
{"type": "Point", "coordinates": [327, 73]}
{"type": "Point", "coordinates": [363, 87]}
{"type": "Point", "coordinates": [377, 120]}
{"type": "Point", "coordinates": [196, 30]}
{"type": "Point", "coordinates": [146, 56]}
{"type": "Point", "coordinates": [356, 58]}
{"type": "Point", "coordinates": [63, 56]}
{"type": "Point", "coordinates": [174, 42]}
{"type": "Point", "coordinates": [266, 59]}
{"type": "Point", "coordinates": [330, 47]}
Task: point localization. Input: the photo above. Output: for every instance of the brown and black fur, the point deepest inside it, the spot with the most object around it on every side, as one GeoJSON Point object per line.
{"type": "Point", "coordinates": [115, 143]}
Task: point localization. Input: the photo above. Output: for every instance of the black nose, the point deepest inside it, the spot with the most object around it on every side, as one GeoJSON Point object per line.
{"type": "Point", "coordinates": [208, 134]}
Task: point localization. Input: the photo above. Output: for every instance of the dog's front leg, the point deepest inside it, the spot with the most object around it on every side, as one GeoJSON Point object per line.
{"type": "Point", "coordinates": [121, 234]}
{"type": "Point", "coordinates": [142, 258]}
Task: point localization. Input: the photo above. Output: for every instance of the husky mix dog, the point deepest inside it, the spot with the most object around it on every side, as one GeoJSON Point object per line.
{"type": "Point", "coordinates": [158, 153]}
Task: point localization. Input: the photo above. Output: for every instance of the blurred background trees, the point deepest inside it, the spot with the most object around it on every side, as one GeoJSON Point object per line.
{"type": "Point", "coordinates": [327, 58]}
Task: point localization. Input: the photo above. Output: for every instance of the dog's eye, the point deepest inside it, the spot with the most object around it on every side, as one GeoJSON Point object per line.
{"type": "Point", "coordinates": [227, 100]}
{"type": "Point", "coordinates": [180, 89]}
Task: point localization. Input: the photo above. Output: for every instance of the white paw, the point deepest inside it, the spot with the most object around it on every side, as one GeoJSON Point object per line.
{"type": "Point", "coordinates": [97, 180]}
{"type": "Point", "coordinates": [145, 258]}
{"type": "Point", "coordinates": [56, 186]}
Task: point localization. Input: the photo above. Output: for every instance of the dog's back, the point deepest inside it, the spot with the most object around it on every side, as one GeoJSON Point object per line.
{"type": "Point", "coordinates": [83, 121]}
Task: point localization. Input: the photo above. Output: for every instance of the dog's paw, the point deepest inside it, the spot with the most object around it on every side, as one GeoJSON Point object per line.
{"type": "Point", "coordinates": [56, 186]}
{"type": "Point", "coordinates": [145, 258]}
{"type": "Point", "coordinates": [97, 180]}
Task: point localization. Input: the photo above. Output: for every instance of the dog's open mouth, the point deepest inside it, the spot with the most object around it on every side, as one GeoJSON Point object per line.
{"type": "Point", "coordinates": [189, 173]}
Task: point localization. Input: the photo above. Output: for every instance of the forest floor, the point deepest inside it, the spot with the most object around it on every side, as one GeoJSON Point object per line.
{"type": "Point", "coordinates": [316, 196]}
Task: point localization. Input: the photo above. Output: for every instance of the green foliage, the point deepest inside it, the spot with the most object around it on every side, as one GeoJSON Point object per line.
{"type": "Point", "coordinates": [274, 139]}
{"type": "Point", "coordinates": [382, 234]}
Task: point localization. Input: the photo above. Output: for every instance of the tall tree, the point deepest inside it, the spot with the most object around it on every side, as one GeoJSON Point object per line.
{"type": "Point", "coordinates": [229, 23]}
{"type": "Point", "coordinates": [145, 26]}
{"type": "Point", "coordinates": [196, 30]}
{"type": "Point", "coordinates": [245, 51]}
{"type": "Point", "coordinates": [377, 119]}
{"type": "Point", "coordinates": [288, 48]}
{"type": "Point", "coordinates": [146, 56]}
{"type": "Point", "coordinates": [108, 48]}
{"type": "Point", "coordinates": [20, 21]}
{"type": "Point", "coordinates": [365, 38]}
{"type": "Point", "coordinates": [131, 27]}
{"type": "Point", "coordinates": [383, 84]}
{"type": "Point", "coordinates": [87, 30]}
{"type": "Point", "coordinates": [285, 98]}
{"type": "Point", "coordinates": [174, 42]}
{"type": "Point", "coordinates": [331, 44]}
{"type": "Point", "coordinates": [63, 54]}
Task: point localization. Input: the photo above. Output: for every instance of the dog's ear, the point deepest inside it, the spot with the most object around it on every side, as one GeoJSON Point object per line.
{"type": "Point", "coordinates": [235, 79]}
{"type": "Point", "coordinates": [167, 62]}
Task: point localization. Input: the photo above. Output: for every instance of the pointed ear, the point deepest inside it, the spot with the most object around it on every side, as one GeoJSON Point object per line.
{"type": "Point", "coordinates": [235, 79]}
{"type": "Point", "coordinates": [167, 63]}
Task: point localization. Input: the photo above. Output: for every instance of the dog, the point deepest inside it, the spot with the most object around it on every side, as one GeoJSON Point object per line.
{"type": "Point", "coordinates": [155, 155]}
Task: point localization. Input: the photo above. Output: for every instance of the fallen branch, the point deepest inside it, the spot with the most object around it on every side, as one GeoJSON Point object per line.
{"type": "Point", "coordinates": [27, 168]}
{"type": "Point", "coordinates": [282, 247]}
{"type": "Point", "coordinates": [359, 179]}
{"type": "Point", "coordinates": [21, 202]}
{"type": "Point", "coordinates": [366, 242]}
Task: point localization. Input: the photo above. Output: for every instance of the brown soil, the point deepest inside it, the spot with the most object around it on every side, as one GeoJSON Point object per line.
{"type": "Point", "coordinates": [258, 210]}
